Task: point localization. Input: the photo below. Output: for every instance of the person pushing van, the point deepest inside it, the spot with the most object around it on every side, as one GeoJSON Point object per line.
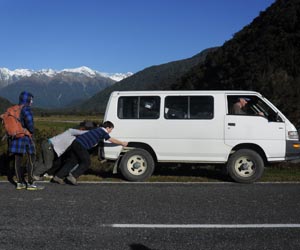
{"type": "Point", "coordinates": [79, 152]}
{"type": "Point", "coordinates": [53, 148]}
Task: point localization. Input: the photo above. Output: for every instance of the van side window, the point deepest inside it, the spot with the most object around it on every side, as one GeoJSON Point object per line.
{"type": "Point", "coordinates": [201, 107]}
{"type": "Point", "coordinates": [139, 107]}
{"type": "Point", "coordinates": [189, 107]}
{"type": "Point", "coordinates": [176, 107]}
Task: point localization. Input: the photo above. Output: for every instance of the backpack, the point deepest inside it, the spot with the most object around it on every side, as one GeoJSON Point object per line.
{"type": "Point", "coordinates": [12, 122]}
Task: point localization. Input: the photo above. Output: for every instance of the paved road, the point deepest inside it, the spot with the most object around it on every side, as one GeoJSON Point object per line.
{"type": "Point", "coordinates": [144, 216]}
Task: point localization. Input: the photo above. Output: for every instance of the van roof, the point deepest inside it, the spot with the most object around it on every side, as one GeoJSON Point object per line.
{"type": "Point", "coordinates": [186, 92]}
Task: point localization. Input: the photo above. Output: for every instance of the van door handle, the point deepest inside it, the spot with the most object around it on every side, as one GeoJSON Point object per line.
{"type": "Point", "coordinates": [231, 124]}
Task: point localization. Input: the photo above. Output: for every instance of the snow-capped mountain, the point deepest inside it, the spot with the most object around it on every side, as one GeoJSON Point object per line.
{"type": "Point", "coordinates": [9, 76]}
{"type": "Point", "coordinates": [117, 76]}
{"type": "Point", "coordinates": [55, 89]}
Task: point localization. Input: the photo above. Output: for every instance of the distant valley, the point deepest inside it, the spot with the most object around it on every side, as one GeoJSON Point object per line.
{"type": "Point", "coordinates": [55, 89]}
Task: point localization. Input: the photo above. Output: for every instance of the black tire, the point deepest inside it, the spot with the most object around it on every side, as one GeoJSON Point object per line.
{"type": "Point", "coordinates": [245, 166]}
{"type": "Point", "coordinates": [137, 165]}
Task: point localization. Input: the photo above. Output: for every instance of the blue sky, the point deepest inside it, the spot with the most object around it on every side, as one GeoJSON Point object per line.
{"type": "Point", "coordinates": [116, 35]}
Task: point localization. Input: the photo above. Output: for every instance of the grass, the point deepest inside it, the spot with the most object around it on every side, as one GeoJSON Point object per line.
{"type": "Point", "coordinates": [281, 174]}
{"type": "Point", "coordinates": [62, 122]}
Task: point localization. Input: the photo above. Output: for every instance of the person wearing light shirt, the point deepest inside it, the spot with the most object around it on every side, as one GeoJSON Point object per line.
{"type": "Point", "coordinates": [52, 149]}
{"type": "Point", "coordinates": [80, 154]}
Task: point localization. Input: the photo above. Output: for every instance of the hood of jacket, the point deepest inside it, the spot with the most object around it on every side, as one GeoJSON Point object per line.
{"type": "Point", "coordinates": [25, 98]}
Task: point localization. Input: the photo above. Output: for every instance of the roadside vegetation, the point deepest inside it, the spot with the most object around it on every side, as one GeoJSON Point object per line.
{"type": "Point", "coordinates": [48, 126]}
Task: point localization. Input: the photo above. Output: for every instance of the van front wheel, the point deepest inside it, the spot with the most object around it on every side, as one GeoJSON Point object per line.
{"type": "Point", "coordinates": [137, 165]}
{"type": "Point", "coordinates": [245, 166]}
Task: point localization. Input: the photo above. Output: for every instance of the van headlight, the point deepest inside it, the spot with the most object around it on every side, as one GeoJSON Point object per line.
{"type": "Point", "coordinates": [293, 135]}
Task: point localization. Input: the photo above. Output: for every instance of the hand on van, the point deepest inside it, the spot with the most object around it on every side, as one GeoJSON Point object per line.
{"type": "Point", "coordinates": [116, 141]}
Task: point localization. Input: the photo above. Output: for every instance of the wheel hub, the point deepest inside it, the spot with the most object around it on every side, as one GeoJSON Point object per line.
{"type": "Point", "coordinates": [245, 167]}
{"type": "Point", "coordinates": [136, 165]}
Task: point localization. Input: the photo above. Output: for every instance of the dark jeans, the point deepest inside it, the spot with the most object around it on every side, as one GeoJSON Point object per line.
{"type": "Point", "coordinates": [46, 158]}
{"type": "Point", "coordinates": [57, 164]}
{"type": "Point", "coordinates": [78, 155]}
{"type": "Point", "coordinates": [19, 170]}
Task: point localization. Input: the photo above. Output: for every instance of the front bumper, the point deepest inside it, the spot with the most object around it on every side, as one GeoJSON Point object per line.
{"type": "Point", "coordinates": [292, 151]}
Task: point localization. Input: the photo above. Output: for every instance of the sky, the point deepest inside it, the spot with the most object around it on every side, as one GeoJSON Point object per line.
{"type": "Point", "coordinates": [116, 36]}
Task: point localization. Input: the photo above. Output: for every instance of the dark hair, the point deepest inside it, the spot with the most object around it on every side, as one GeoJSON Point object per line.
{"type": "Point", "coordinates": [107, 124]}
{"type": "Point", "coordinates": [87, 125]}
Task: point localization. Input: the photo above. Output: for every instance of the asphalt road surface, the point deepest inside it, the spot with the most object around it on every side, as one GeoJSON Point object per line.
{"type": "Point", "coordinates": [156, 216]}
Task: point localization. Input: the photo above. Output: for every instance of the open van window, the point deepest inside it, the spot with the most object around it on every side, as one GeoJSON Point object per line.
{"type": "Point", "coordinates": [254, 106]}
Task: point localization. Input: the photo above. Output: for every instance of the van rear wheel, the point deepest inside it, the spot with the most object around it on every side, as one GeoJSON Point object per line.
{"type": "Point", "coordinates": [245, 166]}
{"type": "Point", "coordinates": [137, 165]}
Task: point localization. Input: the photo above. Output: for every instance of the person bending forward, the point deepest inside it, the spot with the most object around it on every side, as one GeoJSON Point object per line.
{"type": "Point", "coordinates": [79, 153]}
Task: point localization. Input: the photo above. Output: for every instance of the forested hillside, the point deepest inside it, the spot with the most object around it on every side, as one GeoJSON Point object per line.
{"type": "Point", "coordinates": [264, 56]}
{"type": "Point", "coordinates": [153, 78]}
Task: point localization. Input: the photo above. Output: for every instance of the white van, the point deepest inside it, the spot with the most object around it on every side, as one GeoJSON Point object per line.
{"type": "Point", "coordinates": [198, 127]}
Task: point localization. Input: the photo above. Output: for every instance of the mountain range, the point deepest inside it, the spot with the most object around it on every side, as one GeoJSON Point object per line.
{"type": "Point", "coordinates": [55, 89]}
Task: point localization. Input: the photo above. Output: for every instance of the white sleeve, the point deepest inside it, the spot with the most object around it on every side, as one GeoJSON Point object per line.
{"type": "Point", "coordinates": [77, 131]}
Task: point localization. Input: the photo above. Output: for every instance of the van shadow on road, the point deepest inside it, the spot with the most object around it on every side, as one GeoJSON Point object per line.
{"type": "Point", "coordinates": [174, 172]}
{"type": "Point", "coordinates": [203, 171]}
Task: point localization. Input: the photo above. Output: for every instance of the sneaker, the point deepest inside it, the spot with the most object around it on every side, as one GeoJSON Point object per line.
{"type": "Point", "coordinates": [72, 179]}
{"type": "Point", "coordinates": [21, 186]}
{"type": "Point", "coordinates": [32, 187]}
{"type": "Point", "coordinates": [58, 180]}
{"type": "Point", "coordinates": [47, 176]}
{"type": "Point", "coordinates": [37, 178]}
